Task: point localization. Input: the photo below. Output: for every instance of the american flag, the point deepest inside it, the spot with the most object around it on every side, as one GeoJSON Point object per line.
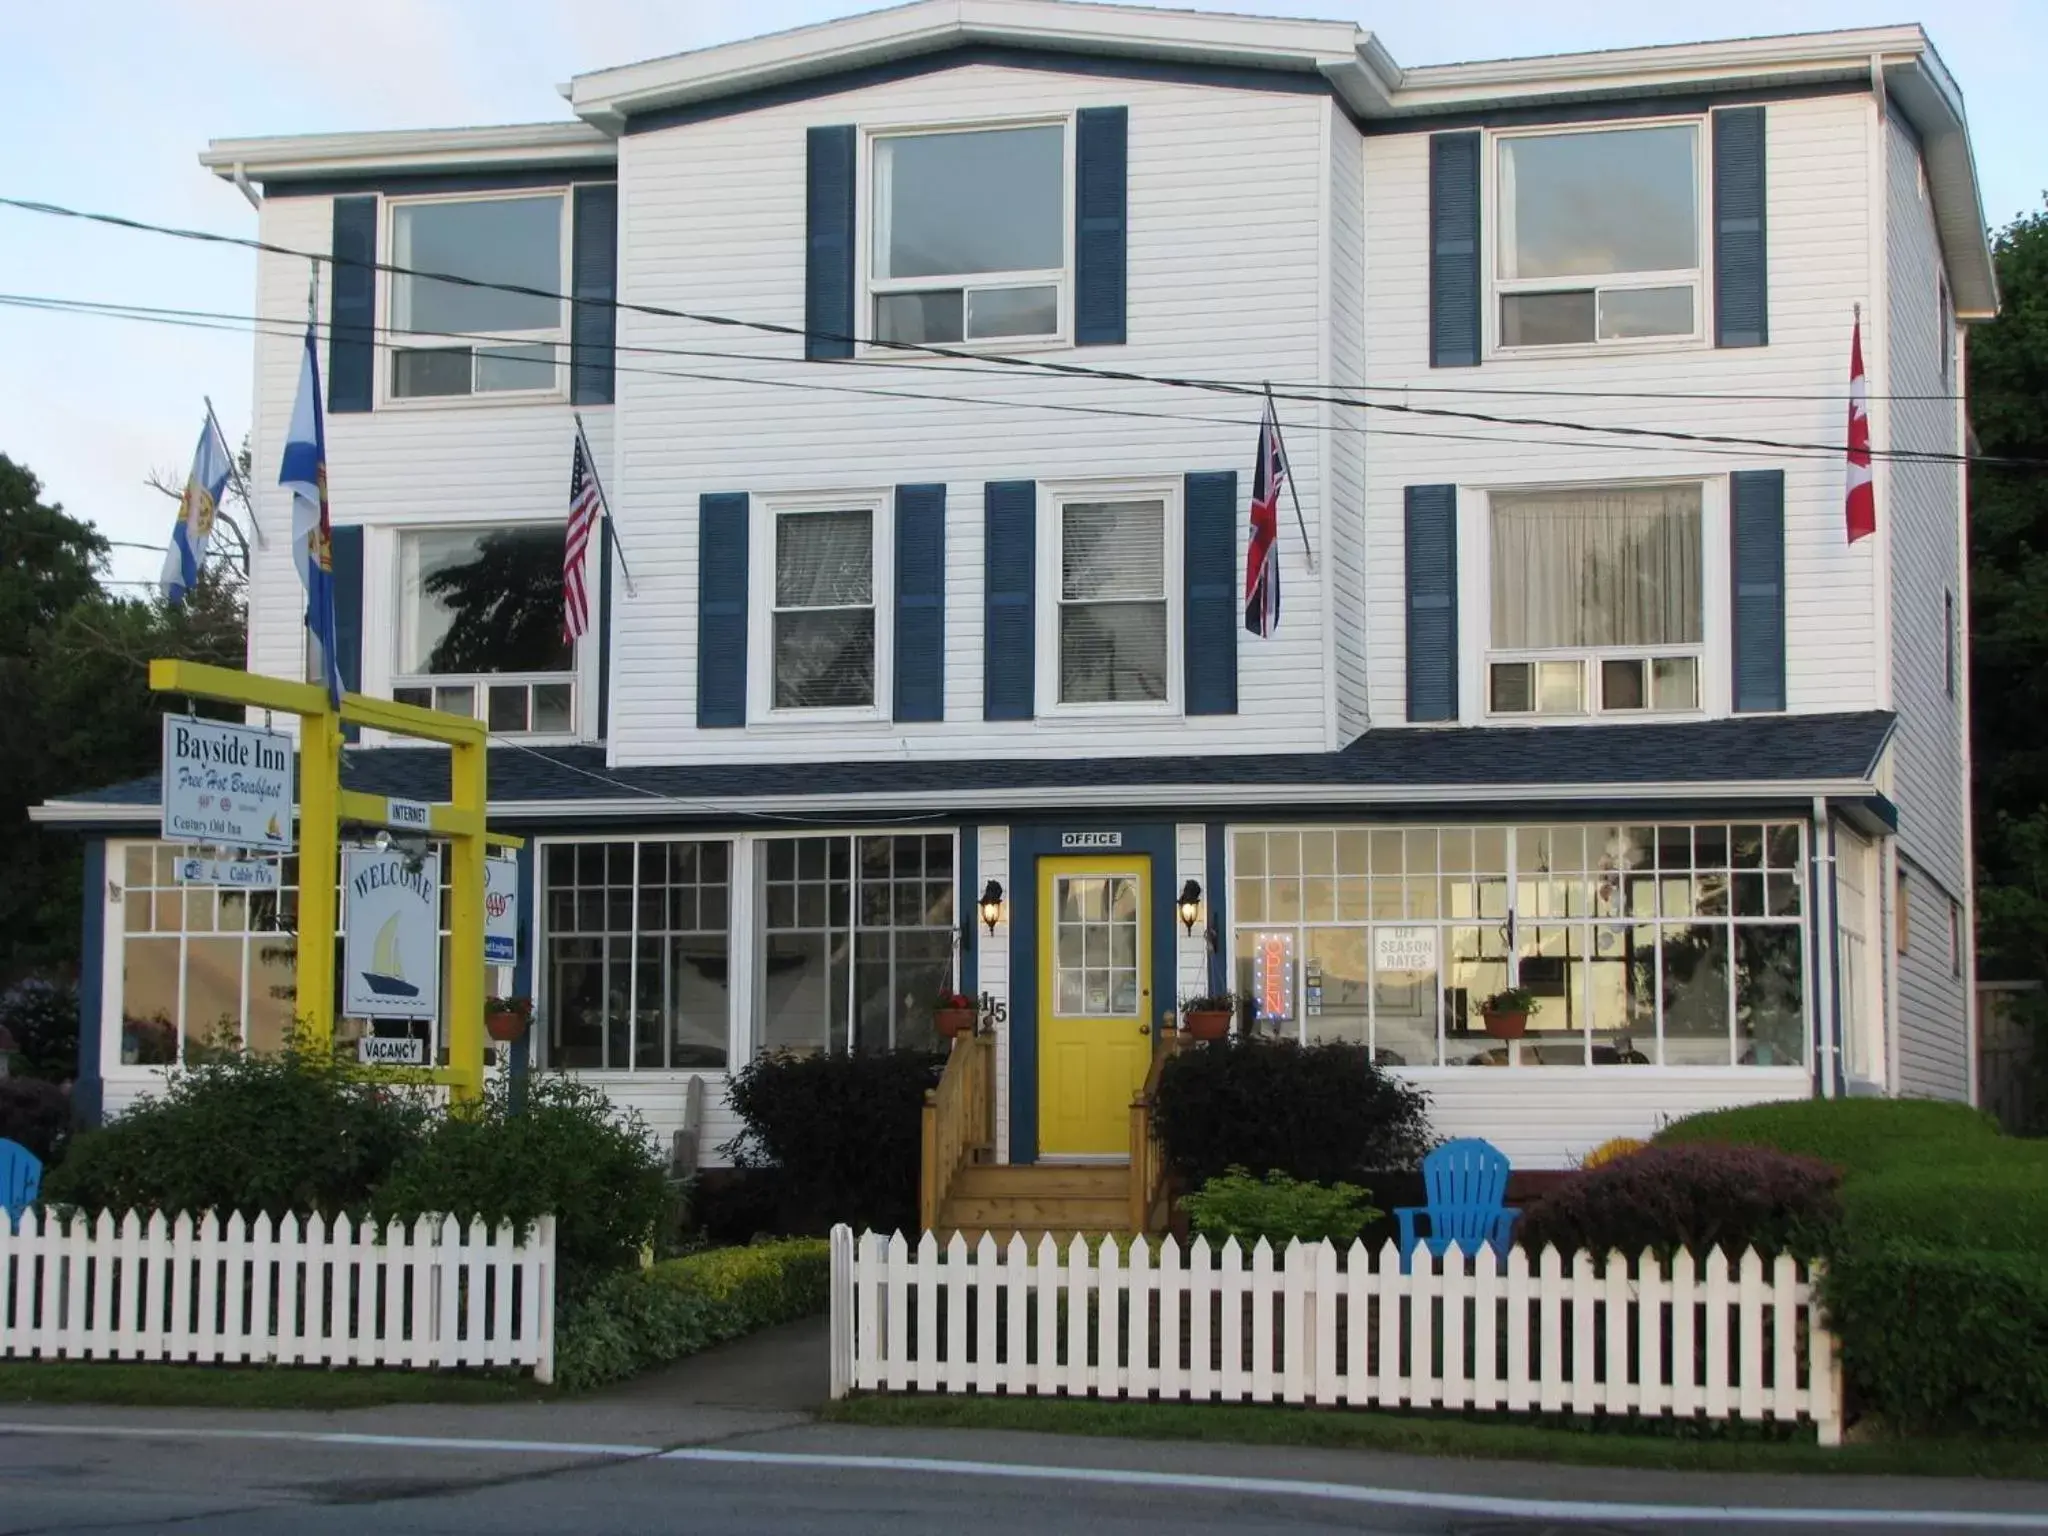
{"type": "Point", "coordinates": [1862, 495]}
{"type": "Point", "coordinates": [583, 507]}
{"type": "Point", "coordinates": [1262, 555]}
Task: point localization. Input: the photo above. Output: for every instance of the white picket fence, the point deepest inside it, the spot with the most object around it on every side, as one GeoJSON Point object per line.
{"type": "Point", "coordinates": [292, 1292]}
{"type": "Point", "coordinates": [1711, 1340]}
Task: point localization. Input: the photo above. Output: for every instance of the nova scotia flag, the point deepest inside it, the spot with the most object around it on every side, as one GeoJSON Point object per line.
{"type": "Point", "coordinates": [203, 490]}
{"type": "Point", "coordinates": [304, 474]}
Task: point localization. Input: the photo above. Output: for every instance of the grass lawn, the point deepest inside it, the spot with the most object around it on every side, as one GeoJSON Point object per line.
{"type": "Point", "coordinates": [135, 1384]}
{"type": "Point", "coordinates": [1742, 1449]}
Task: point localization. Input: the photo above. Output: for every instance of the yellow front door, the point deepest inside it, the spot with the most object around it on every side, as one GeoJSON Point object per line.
{"type": "Point", "coordinates": [1095, 1000]}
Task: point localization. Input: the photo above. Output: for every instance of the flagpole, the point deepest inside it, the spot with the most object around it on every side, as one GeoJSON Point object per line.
{"type": "Point", "coordinates": [1300, 522]}
{"type": "Point", "coordinates": [618, 545]}
{"type": "Point", "coordinates": [235, 469]}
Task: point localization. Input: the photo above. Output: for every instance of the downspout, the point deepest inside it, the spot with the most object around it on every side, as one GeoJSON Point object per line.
{"type": "Point", "coordinates": [1827, 1018]}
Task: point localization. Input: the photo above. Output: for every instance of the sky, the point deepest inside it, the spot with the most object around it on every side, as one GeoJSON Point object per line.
{"type": "Point", "coordinates": [108, 104]}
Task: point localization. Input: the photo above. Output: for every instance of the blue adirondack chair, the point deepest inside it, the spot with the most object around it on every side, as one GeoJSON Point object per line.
{"type": "Point", "coordinates": [1467, 1184]}
{"type": "Point", "coordinates": [21, 1178]}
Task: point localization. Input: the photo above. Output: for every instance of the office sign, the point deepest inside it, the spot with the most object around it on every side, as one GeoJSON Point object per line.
{"type": "Point", "coordinates": [227, 785]}
{"type": "Point", "coordinates": [1091, 839]}
{"type": "Point", "coordinates": [391, 912]}
{"type": "Point", "coordinates": [501, 912]}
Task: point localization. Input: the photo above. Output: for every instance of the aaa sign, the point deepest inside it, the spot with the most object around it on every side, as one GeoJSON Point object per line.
{"type": "Point", "coordinates": [391, 912]}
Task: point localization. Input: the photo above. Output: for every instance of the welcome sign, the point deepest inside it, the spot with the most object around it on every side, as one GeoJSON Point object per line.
{"type": "Point", "coordinates": [391, 912]}
{"type": "Point", "coordinates": [228, 785]}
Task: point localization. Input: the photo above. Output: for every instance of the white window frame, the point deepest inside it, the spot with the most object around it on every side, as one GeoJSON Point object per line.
{"type": "Point", "coordinates": [1475, 600]}
{"type": "Point", "coordinates": [392, 562]}
{"type": "Point", "coordinates": [879, 503]}
{"type": "Point", "coordinates": [869, 286]}
{"type": "Point", "coordinates": [391, 342]}
{"type": "Point", "coordinates": [1697, 278]}
{"type": "Point", "coordinates": [1053, 497]}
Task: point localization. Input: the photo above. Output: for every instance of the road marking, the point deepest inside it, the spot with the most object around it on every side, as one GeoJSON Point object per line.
{"type": "Point", "coordinates": [1191, 1482]}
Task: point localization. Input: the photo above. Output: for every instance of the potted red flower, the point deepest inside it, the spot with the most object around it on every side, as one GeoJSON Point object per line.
{"type": "Point", "coordinates": [1208, 1017]}
{"type": "Point", "coordinates": [955, 1014]}
{"type": "Point", "coordinates": [506, 1018]}
{"type": "Point", "coordinates": [1507, 1013]}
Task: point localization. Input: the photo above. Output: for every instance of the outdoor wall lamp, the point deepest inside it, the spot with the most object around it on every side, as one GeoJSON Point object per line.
{"type": "Point", "coordinates": [991, 904]}
{"type": "Point", "coordinates": [1190, 905]}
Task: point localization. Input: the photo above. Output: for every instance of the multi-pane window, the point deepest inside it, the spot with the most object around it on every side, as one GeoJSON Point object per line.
{"type": "Point", "coordinates": [1678, 945]}
{"type": "Point", "coordinates": [1095, 946]}
{"type": "Point", "coordinates": [1596, 601]}
{"type": "Point", "coordinates": [1598, 236]}
{"type": "Point", "coordinates": [638, 953]}
{"type": "Point", "coordinates": [857, 940]}
{"type": "Point", "coordinates": [470, 340]}
{"type": "Point", "coordinates": [824, 609]}
{"type": "Point", "coordinates": [1112, 602]}
{"type": "Point", "coordinates": [969, 234]}
{"type": "Point", "coordinates": [480, 626]}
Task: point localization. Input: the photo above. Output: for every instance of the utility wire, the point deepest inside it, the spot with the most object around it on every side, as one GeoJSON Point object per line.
{"type": "Point", "coordinates": [1010, 361]}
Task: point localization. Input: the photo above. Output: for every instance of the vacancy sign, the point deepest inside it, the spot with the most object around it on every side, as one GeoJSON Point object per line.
{"type": "Point", "coordinates": [501, 911]}
{"type": "Point", "coordinates": [391, 912]}
{"type": "Point", "coordinates": [228, 785]}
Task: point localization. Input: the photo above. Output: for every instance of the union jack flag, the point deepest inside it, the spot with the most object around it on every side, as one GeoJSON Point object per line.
{"type": "Point", "coordinates": [583, 508]}
{"type": "Point", "coordinates": [1262, 555]}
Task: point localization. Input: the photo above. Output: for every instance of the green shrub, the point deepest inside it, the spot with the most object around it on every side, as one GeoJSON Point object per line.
{"type": "Point", "coordinates": [1941, 1338]}
{"type": "Point", "coordinates": [276, 1134]}
{"type": "Point", "coordinates": [568, 1151]}
{"type": "Point", "coordinates": [1856, 1135]}
{"type": "Point", "coordinates": [843, 1132]}
{"type": "Point", "coordinates": [630, 1320]}
{"type": "Point", "coordinates": [37, 1115]}
{"type": "Point", "coordinates": [1278, 1208]}
{"type": "Point", "coordinates": [1693, 1197]}
{"type": "Point", "coordinates": [42, 1016]}
{"type": "Point", "coordinates": [1322, 1113]}
{"type": "Point", "coordinates": [1995, 1207]}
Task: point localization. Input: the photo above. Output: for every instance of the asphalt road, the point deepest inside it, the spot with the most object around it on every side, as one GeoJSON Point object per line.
{"type": "Point", "coordinates": [306, 1475]}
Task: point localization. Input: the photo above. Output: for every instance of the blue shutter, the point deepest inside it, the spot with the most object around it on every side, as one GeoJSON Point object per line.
{"type": "Point", "coordinates": [1756, 518]}
{"type": "Point", "coordinates": [1454, 179]}
{"type": "Point", "coordinates": [1009, 580]}
{"type": "Point", "coordinates": [722, 609]}
{"type": "Point", "coordinates": [1431, 549]}
{"type": "Point", "coordinates": [828, 243]}
{"type": "Point", "coordinates": [1101, 198]}
{"type": "Point", "coordinates": [1741, 266]}
{"type": "Point", "coordinates": [352, 306]}
{"type": "Point", "coordinates": [1212, 613]}
{"type": "Point", "coordinates": [920, 602]}
{"type": "Point", "coordinates": [604, 629]}
{"type": "Point", "coordinates": [594, 322]}
{"type": "Point", "coordinates": [345, 551]}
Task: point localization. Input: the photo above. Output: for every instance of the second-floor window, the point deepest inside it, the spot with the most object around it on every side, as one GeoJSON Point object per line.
{"type": "Point", "coordinates": [1596, 603]}
{"type": "Point", "coordinates": [480, 626]}
{"type": "Point", "coordinates": [1113, 619]}
{"type": "Point", "coordinates": [1598, 236]}
{"type": "Point", "coordinates": [969, 234]}
{"type": "Point", "coordinates": [478, 341]}
{"type": "Point", "coordinates": [824, 617]}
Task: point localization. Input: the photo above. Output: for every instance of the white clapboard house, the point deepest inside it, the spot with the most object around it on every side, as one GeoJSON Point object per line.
{"type": "Point", "coordinates": [1577, 679]}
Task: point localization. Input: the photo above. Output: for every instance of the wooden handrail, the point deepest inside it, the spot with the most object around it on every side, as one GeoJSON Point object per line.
{"type": "Point", "coordinates": [1148, 1159]}
{"type": "Point", "coordinates": [959, 1123]}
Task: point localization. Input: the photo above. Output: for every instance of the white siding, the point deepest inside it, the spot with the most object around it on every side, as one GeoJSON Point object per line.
{"type": "Point", "coordinates": [1191, 950]}
{"type": "Point", "coordinates": [1818, 219]}
{"type": "Point", "coordinates": [1919, 516]}
{"type": "Point", "coordinates": [1550, 1117]}
{"type": "Point", "coordinates": [658, 1096]}
{"type": "Point", "coordinates": [992, 966]}
{"type": "Point", "coordinates": [1344, 544]}
{"type": "Point", "coordinates": [1226, 189]}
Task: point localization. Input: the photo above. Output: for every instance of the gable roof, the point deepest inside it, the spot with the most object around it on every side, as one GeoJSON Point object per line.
{"type": "Point", "coordinates": [1779, 757]}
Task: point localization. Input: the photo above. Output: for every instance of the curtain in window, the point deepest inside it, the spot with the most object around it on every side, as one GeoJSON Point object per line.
{"type": "Point", "coordinates": [1113, 601]}
{"type": "Point", "coordinates": [825, 631]}
{"type": "Point", "coordinates": [1597, 568]}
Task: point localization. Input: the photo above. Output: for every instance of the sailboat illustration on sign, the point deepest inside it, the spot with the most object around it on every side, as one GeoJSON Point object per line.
{"type": "Point", "coordinates": [386, 974]}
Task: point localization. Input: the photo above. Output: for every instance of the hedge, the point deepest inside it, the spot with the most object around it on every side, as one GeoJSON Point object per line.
{"type": "Point", "coordinates": [1695, 1197]}
{"type": "Point", "coordinates": [630, 1320]}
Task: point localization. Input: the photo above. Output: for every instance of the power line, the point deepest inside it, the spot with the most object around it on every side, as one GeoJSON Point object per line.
{"type": "Point", "coordinates": [1002, 360]}
{"type": "Point", "coordinates": [219, 320]}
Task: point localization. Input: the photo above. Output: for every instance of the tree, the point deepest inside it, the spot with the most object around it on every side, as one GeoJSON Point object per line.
{"type": "Point", "coordinates": [504, 606]}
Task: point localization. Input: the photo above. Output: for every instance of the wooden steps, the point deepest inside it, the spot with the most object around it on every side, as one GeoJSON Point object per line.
{"type": "Point", "coordinates": [1061, 1198]}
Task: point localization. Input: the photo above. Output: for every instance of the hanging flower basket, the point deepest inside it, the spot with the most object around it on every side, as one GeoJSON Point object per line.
{"type": "Point", "coordinates": [955, 1015]}
{"type": "Point", "coordinates": [1507, 1013]}
{"type": "Point", "coordinates": [1208, 1018]}
{"type": "Point", "coordinates": [506, 1018]}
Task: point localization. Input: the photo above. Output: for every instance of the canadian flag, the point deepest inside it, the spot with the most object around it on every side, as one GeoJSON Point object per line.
{"type": "Point", "coordinates": [1862, 499]}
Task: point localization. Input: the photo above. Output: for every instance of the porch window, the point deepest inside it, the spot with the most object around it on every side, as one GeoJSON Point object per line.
{"type": "Point", "coordinates": [1596, 601]}
{"type": "Point", "coordinates": [637, 954]}
{"type": "Point", "coordinates": [480, 627]}
{"type": "Point", "coordinates": [1679, 945]}
{"type": "Point", "coordinates": [857, 938]}
{"type": "Point", "coordinates": [467, 340]}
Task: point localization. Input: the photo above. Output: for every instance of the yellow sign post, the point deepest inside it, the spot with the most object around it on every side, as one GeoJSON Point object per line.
{"type": "Point", "coordinates": [324, 805]}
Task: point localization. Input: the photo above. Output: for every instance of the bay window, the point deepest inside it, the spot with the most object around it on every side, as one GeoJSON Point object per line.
{"type": "Point", "coordinates": [479, 628]}
{"type": "Point", "coordinates": [1598, 236]}
{"type": "Point", "coordinates": [1596, 601]}
{"type": "Point", "coordinates": [1113, 611]}
{"type": "Point", "coordinates": [457, 339]}
{"type": "Point", "coordinates": [969, 234]}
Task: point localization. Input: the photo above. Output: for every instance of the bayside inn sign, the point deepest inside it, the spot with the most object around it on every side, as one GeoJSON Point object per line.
{"type": "Point", "coordinates": [227, 785]}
